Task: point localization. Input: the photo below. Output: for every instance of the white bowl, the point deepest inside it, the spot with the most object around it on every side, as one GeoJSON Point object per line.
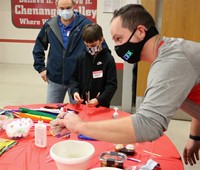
{"type": "Point", "coordinates": [72, 154]}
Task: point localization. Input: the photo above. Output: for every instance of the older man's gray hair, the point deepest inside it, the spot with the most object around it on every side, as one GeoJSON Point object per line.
{"type": "Point", "coordinates": [73, 2]}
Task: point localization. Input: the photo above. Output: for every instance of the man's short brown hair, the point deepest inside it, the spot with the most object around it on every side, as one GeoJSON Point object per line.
{"type": "Point", "coordinates": [133, 15]}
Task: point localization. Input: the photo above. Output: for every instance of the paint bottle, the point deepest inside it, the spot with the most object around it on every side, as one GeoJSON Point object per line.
{"type": "Point", "coordinates": [40, 134]}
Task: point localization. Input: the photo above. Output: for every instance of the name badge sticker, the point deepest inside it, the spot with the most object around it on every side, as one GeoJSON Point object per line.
{"type": "Point", "coordinates": [68, 32]}
{"type": "Point", "coordinates": [97, 74]}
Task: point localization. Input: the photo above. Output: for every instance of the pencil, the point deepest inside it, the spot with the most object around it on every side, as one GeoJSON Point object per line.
{"type": "Point", "coordinates": [133, 159]}
{"type": "Point", "coordinates": [98, 94]}
{"type": "Point", "coordinates": [155, 154]}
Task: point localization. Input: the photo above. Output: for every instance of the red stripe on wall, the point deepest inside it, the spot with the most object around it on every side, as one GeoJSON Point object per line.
{"type": "Point", "coordinates": [17, 41]}
{"type": "Point", "coordinates": [119, 66]}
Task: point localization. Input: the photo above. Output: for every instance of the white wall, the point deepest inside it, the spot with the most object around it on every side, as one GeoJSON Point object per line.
{"type": "Point", "coordinates": [103, 19]}
{"type": "Point", "coordinates": [14, 52]}
{"type": "Point", "coordinates": [22, 52]}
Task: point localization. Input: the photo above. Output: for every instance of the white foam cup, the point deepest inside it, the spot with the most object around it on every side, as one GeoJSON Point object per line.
{"type": "Point", "coordinates": [72, 154]}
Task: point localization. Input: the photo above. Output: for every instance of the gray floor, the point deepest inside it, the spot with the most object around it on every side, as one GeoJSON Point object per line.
{"type": "Point", "coordinates": [21, 84]}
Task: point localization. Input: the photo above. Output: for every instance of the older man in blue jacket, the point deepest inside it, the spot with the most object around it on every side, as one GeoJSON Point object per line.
{"type": "Point", "coordinates": [63, 34]}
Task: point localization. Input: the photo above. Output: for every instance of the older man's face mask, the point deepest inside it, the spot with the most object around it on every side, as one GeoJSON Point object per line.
{"type": "Point", "coordinates": [66, 14]}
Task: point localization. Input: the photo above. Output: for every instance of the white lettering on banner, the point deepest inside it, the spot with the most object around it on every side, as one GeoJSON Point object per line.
{"type": "Point", "coordinates": [44, 20]}
{"type": "Point", "coordinates": [30, 12]}
{"type": "Point", "coordinates": [88, 2]}
{"type": "Point", "coordinates": [79, 1]}
{"type": "Point", "coordinates": [87, 12]}
{"type": "Point", "coordinates": [29, 22]}
{"type": "Point", "coordinates": [31, 1]}
{"type": "Point", "coordinates": [49, 1]}
{"type": "Point", "coordinates": [21, 10]}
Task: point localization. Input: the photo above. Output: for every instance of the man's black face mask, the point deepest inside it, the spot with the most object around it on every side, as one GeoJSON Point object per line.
{"type": "Point", "coordinates": [129, 51]}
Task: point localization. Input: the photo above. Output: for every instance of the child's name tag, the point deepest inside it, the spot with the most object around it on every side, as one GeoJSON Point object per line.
{"type": "Point", "coordinates": [97, 74]}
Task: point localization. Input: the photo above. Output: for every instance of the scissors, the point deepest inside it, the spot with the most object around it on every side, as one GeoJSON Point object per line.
{"type": "Point", "coordinates": [87, 96]}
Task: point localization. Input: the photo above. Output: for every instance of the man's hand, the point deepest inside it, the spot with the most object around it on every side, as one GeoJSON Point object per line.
{"type": "Point", "coordinates": [43, 74]}
{"type": "Point", "coordinates": [69, 121]}
{"type": "Point", "coordinates": [191, 152]}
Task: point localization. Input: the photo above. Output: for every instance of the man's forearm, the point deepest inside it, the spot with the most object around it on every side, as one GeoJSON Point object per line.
{"type": "Point", "coordinates": [115, 131]}
{"type": "Point", "coordinates": [195, 127]}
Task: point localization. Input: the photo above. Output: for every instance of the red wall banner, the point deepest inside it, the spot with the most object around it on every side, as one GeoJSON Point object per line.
{"type": "Point", "coordinates": [34, 13]}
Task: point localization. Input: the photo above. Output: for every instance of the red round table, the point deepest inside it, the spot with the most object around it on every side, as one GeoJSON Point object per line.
{"type": "Point", "coordinates": [26, 156]}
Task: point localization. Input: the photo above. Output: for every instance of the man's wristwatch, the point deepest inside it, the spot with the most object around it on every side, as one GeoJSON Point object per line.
{"type": "Point", "coordinates": [196, 138]}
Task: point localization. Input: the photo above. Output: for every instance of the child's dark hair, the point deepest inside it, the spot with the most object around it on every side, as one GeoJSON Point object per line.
{"type": "Point", "coordinates": [92, 32]}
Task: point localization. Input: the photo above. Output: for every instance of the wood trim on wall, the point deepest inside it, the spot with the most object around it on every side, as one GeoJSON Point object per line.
{"type": "Point", "coordinates": [143, 67]}
{"type": "Point", "coordinates": [182, 20]}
